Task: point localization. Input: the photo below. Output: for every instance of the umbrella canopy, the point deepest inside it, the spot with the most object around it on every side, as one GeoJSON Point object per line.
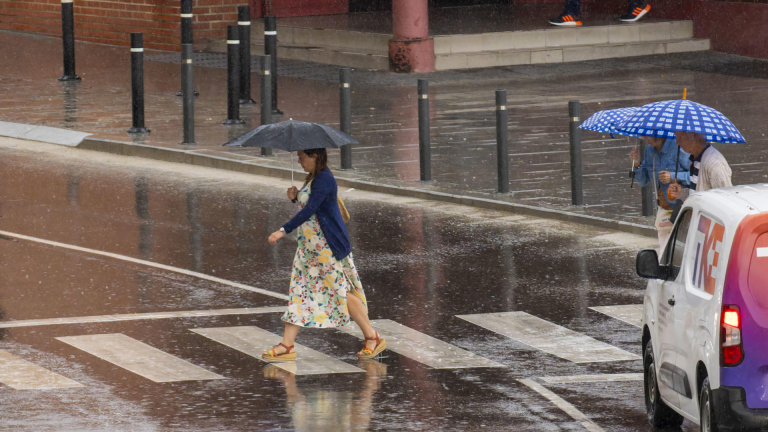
{"type": "Point", "coordinates": [607, 121]}
{"type": "Point", "coordinates": [663, 119]}
{"type": "Point", "coordinates": [293, 136]}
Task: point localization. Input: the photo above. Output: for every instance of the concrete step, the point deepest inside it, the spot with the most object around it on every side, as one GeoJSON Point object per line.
{"type": "Point", "coordinates": [348, 57]}
{"type": "Point", "coordinates": [462, 51]}
{"type": "Point", "coordinates": [568, 53]}
{"type": "Point", "coordinates": [319, 37]}
{"type": "Point", "coordinates": [562, 37]}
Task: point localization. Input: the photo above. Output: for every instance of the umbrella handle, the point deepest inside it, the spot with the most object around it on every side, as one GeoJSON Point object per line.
{"type": "Point", "coordinates": [668, 195]}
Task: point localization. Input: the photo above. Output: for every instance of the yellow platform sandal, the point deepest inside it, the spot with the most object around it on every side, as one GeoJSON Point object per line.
{"type": "Point", "coordinates": [367, 353]}
{"type": "Point", "coordinates": [273, 357]}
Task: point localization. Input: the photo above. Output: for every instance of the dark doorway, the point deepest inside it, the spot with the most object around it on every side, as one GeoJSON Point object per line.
{"type": "Point", "coordinates": [369, 5]}
{"type": "Point", "coordinates": [385, 5]}
{"type": "Point", "coordinates": [452, 3]}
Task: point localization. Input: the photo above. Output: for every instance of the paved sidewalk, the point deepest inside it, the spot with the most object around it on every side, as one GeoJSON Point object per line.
{"type": "Point", "coordinates": [385, 116]}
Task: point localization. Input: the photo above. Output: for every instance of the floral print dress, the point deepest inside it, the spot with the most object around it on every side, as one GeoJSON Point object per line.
{"type": "Point", "coordinates": [319, 282]}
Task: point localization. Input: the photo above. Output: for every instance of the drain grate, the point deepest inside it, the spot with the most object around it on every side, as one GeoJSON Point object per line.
{"type": "Point", "coordinates": [285, 67]}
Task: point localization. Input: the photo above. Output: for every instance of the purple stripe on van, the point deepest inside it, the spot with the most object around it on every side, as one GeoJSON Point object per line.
{"type": "Point", "coordinates": [752, 373]}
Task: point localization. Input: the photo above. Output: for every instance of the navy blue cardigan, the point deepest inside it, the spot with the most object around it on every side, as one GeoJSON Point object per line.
{"type": "Point", "coordinates": [322, 201]}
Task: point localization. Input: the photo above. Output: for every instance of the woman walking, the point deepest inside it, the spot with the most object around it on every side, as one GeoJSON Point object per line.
{"type": "Point", "coordinates": [325, 288]}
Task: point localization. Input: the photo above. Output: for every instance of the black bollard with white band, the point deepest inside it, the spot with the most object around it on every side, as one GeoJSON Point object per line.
{"type": "Point", "coordinates": [137, 84]}
{"type": "Point", "coordinates": [68, 40]}
{"type": "Point", "coordinates": [345, 116]}
{"type": "Point", "coordinates": [188, 91]}
{"type": "Point", "coordinates": [266, 95]}
{"type": "Point", "coordinates": [425, 152]}
{"type": "Point", "coordinates": [187, 37]}
{"type": "Point", "coordinates": [502, 141]}
{"type": "Point", "coordinates": [233, 76]}
{"type": "Point", "coordinates": [244, 21]}
{"type": "Point", "coordinates": [270, 49]}
{"type": "Point", "coordinates": [577, 187]}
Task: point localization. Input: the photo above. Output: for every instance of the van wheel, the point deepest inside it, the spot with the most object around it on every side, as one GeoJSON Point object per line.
{"type": "Point", "coordinates": [659, 414]}
{"type": "Point", "coordinates": [706, 410]}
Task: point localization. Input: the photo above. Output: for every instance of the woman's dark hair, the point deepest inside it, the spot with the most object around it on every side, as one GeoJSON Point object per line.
{"type": "Point", "coordinates": [321, 162]}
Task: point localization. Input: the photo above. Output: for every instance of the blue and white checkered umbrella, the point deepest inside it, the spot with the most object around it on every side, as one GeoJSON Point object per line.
{"type": "Point", "coordinates": [663, 119]}
{"type": "Point", "coordinates": [607, 121]}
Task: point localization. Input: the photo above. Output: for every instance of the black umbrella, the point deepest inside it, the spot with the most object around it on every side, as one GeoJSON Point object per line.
{"type": "Point", "coordinates": [293, 136]}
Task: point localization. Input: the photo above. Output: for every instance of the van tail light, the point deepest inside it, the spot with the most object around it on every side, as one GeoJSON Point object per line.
{"type": "Point", "coordinates": [730, 336]}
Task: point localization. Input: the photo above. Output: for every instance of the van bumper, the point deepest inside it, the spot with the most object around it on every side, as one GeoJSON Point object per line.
{"type": "Point", "coordinates": [732, 413]}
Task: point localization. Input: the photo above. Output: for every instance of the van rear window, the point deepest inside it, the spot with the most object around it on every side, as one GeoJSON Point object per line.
{"type": "Point", "coordinates": [758, 272]}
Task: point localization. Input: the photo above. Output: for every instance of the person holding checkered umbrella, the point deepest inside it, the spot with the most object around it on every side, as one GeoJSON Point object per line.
{"type": "Point", "coordinates": [662, 159]}
{"type": "Point", "coordinates": [695, 126]}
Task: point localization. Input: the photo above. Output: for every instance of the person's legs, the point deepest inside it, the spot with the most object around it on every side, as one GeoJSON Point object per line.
{"type": "Point", "coordinates": [360, 316]}
{"type": "Point", "coordinates": [573, 7]}
{"type": "Point", "coordinates": [570, 14]}
{"type": "Point", "coordinates": [289, 338]}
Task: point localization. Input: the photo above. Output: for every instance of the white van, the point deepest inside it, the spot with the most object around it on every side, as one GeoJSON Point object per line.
{"type": "Point", "coordinates": [705, 314]}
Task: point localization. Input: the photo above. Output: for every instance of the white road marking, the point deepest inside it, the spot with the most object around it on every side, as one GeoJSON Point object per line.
{"type": "Point", "coordinates": [762, 252]}
{"type": "Point", "coordinates": [253, 340]}
{"type": "Point", "coordinates": [20, 374]}
{"type": "Point", "coordinates": [592, 378]}
{"type": "Point", "coordinates": [630, 314]}
{"type": "Point", "coordinates": [146, 263]}
{"type": "Point", "coordinates": [140, 316]}
{"type": "Point", "coordinates": [550, 338]}
{"type": "Point", "coordinates": [563, 405]}
{"type": "Point", "coordinates": [422, 348]}
{"type": "Point", "coordinates": [139, 358]}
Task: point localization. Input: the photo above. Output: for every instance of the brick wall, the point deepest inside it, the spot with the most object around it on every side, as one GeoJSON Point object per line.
{"type": "Point", "coordinates": [112, 21]}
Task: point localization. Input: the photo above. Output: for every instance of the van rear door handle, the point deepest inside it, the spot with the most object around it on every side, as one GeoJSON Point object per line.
{"type": "Point", "coordinates": [702, 323]}
{"type": "Point", "coordinates": [671, 301]}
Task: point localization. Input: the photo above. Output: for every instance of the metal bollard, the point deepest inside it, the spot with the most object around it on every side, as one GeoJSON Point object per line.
{"type": "Point", "coordinates": [186, 31]}
{"type": "Point", "coordinates": [188, 90]}
{"type": "Point", "coordinates": [68, 39]}
{"type": "Point", "coordinates": [502, 141]}
{"type": "Point", "coordinates": [270, 49]}
{"type": "Point", "coordinates": [647, 190]}
{"type": "Point", "coordinates": [233, 75]}
{"type": "Point", "coordinates": [345, 116]}
{"type": "Point", "coordinates": [137, 83]}
{"type": "Point", "coordinates": [244, 22]}
{"type": "Point", "coordinates": [425, 154]}
{"type": "Point", "coordinates": [577, 188]}
{"type": "Point", "coordinates": [266, 96]}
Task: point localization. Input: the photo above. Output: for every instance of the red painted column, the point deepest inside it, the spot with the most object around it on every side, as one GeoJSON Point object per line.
{"type": "Point", "coordinates": [411, 49]}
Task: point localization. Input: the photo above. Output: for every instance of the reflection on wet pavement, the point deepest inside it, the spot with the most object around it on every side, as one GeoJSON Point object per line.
{"type": "Point", "coordinates": [422, 263]}
{"type": "Point", "coordinates": [385, 117]}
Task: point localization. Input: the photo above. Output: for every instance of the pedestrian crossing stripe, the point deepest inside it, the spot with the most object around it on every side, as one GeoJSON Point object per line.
{"type": "Point", "coordinates": [253, 340]}
{"type": "Point", "coordinates": [550, 338]}
{"type": "Point", "coordinates": [570, 379]}
{"type": "Point", "coordinates": [630, 314]}
{"type": "Point", "coordinates": [140, 316]}
{"type": "Point", "coordinates": [20, 374]}
{"type": "Point", "coordinates": [422, 348]}
{"type": "Point", "coordinates": [139, 358]}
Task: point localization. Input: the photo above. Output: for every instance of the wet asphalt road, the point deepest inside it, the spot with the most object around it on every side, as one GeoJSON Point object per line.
{"type": "Point", "coordinates": [421, 263]}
